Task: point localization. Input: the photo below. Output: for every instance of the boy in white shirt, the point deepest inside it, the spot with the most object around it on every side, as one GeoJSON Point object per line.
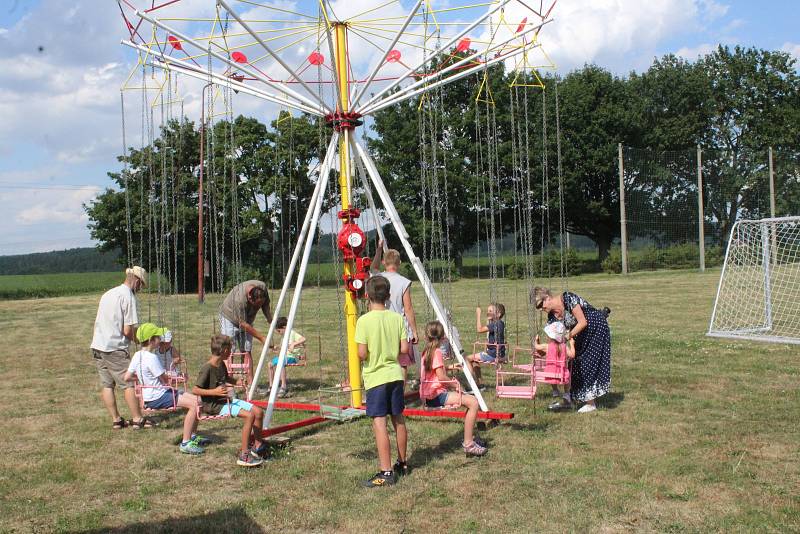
{"type": "Point", "coordinates": [157, 394]}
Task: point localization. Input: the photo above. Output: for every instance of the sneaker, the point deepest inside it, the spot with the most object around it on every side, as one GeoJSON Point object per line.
{"type": "Point", "coordinates": [555, 394]}
{"type": "Point", "coordinates": [281, 393]}
{"type": "Point", "coordinates": [401, 468]}
{"type": "Point", "coordinates": [479, 440]}
{"type": "Point", "coordinates": [190, 447]}
{"type": "Point", "coordinates": [262, 391]}
{"type": "Point", "coordinates": [562, 404]}
{"type": "Point", "coordinates": [586, 408]}
{"type": "Point", "coordinates": [260, 451]}
{"type": "Point", "coordinates": [200, 441]}
{"type": "Point", "coordinates": [473, 449]}
{"type": "Point", "coordinates": [248, 460]}
{"type": "Point", "coordinates": [379, 479]}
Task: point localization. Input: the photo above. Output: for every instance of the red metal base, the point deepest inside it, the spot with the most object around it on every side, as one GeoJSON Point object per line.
{"type": "Point", "coordinates": [280, 429]}
{"type": "Point", "coordinates": [456, 414]}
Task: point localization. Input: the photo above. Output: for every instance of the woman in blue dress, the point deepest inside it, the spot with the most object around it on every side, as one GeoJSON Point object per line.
{"type": "Point", "coordinates": [588, 326]}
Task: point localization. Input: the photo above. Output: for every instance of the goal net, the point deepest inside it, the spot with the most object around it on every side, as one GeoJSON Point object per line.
{"type": "Point", "coordinates": [758, 296]}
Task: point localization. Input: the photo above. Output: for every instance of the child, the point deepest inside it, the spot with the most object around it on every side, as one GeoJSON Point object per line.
{"type": "Point", "coordinates": [157, 393]}
{"type": "Point", "coordinates": [399, 301]}
{"type": "Point", "coordinates": [215, 387]}
{"type": "Point", "coordinates": [297, 344]}
{"type": "Point", "coordinates": [168, 355]}
{"type": "Point", "coordinates": [556, 350]}
{"type": "Point", "coordinates": [495, 330]}
{"type": "Point", "coordinates": [381, 336]}
{"type": "Point", "coordinates": [435, 384]}
{"type": "Point", "coordinates": [446, 347]}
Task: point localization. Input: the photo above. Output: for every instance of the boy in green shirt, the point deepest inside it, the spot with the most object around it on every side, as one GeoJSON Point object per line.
{"type": "Point", "coordinates": [381, 336]}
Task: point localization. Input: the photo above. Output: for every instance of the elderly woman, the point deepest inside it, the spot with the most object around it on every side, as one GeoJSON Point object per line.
{"type": "Point", "coordinates": [591, 371]}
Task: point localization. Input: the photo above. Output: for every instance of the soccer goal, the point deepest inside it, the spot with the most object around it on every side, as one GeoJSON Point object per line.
{"type": "Point", "coordinates": [758, 296]}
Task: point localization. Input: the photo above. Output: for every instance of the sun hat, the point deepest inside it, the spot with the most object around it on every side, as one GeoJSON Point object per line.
{"type": "Point", "coordinates": [139, 273]}
{"type": "Point", "coordinates": [147, 331]}
{"type": "Point", "coordinates": [167, 337]}
{"type": "Point", "coordinates": [556, 331]}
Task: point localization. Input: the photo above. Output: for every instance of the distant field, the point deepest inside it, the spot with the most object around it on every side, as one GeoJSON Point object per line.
{"type": "Point", "coordinates": [27, 286]}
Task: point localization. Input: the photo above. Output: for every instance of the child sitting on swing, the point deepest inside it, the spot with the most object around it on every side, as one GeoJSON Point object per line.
{"type": "Point", "coordinates": [294, 353]}
{"type": "Point", "coordinates": [215, 387]}
{"type": "Point", "coordinates": [435, 387]}
{"type": "Point", "coordinates": [157, 394]}
{"type": "Point", "coordinates": [556, 350]}
{"type": "Point", "coordinates": [495, 330]}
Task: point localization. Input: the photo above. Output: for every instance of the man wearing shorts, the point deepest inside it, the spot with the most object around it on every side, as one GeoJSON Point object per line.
{"type": "Point", "coordinates": [114, 328]}
{"type": "Point", "coordinates": [238, 312]}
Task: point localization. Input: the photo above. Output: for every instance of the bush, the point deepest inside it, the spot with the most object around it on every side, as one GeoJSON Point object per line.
{"type": "Point", "coordinates": [682, 256]}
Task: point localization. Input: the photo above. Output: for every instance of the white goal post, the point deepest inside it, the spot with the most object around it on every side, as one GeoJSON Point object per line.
{"type": "Point", "coordinates": [758, 296]}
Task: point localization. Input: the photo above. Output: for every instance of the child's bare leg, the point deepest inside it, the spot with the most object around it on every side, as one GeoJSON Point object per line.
{"type": "Point", "coordinates": [258, 425]}
{"type": "Point", "coordinates": [399, 423]}
{"type": "Point", "coordinates": [189, 401]}
{"type": "Point", "coordinates": [283, 378]}
{"type": "Point", "coordinates": [472, 414]}
{"type": "Point", "coordinates": [249, 360]}
{"type": "Point", "coordinates": [382, 443]}
{"type": "Point", "coordinates": [110, 402]}
{"type": "Point", "coordinates": [247, 427]}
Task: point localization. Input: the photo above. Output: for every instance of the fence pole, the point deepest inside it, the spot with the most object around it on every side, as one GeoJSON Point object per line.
{"type": "Point", "coordinates": [700, 217]}
{"type": "Point", "coordinates": [771, 186]}
{"type": "Point", "coordinates": [623, 227]}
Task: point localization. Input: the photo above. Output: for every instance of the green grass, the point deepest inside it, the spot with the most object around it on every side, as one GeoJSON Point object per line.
{"type": "Point", "coordinates": [698, 434]}
{"type": "Point", "coordinates": [26, 286]}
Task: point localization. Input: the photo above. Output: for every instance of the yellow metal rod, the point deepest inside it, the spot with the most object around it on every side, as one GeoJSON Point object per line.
{"type": "Point", "coordinates": [350, 308]}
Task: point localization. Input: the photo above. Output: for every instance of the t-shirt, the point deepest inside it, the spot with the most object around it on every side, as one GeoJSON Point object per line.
{"type": "Point", "coordinates": [431, 386]}
{"type": "Point", "coordinates": [235, 307]}
{"type": "Point", "coordinates": [496, 334]}
{"type": "Point", "coordinates": [398, 285]}
{"type": "Point", "coordinates": [570, 300]}
{"type": "Point", "coordinates": [117, 310]}
{"type": "Point", "coordinates": [209, 378]}
{"type": "Point", "coordinates": [165, 357]}
{"type": "Point", "coordinates": [381, 331]}
{"type": "Point", "coordinates": [447, 346]}
{"type": "Point", "coordinates": [148, 369]}
{"type": "Point", "coordinates": [297, 351]}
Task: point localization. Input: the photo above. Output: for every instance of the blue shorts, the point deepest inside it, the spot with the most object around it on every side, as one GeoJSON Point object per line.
{"type": "Point", "coordinates": [386, 399]}
{"type": "Point", "coordinates": [438, 401]}
{"type": "Point", "coordinates": [290, 360]}
{"type": "Point", "coordinates": [235, 406]}
{"type": "Point", "coordinates": [168, 399]}
{"type": "Point", "coordinates": [487, 358]}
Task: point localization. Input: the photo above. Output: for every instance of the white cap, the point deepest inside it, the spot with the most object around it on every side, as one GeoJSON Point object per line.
{"type": "Point", "coordinates": [167, 337]}
{"type": "Point", "coordinates": [556, 331]}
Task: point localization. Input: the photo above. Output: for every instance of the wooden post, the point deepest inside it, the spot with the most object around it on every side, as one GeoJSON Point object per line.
{"type": "Point", "coordinates": [623, 227]}
{"type": "Point", "coordinates": [701, 235]}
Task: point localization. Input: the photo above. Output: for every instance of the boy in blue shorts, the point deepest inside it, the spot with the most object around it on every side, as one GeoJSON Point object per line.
{"type": "Point", "coordinates": [495, 330]}
{"type": "Point", "coordinates": [157, 394]}
{"type": "Point", "coordinates": [381, 336]}
{"type": "Point", "coordinates": [215, 388]}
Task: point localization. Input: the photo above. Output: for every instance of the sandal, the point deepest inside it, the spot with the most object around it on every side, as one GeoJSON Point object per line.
{"type": "Point", "coordinates": [144, 422]}
{"type": "Point", "coordinates": [473, 449]}
{"type": "Point", "coordinates": [119, 424]}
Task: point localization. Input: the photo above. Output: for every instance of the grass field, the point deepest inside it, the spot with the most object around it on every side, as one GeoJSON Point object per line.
{"type": "Point", "coordinates": [698, 434]}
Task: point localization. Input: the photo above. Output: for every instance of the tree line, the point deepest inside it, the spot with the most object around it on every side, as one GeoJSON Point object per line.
{"type": "Point", "coordinates": [472, 145]}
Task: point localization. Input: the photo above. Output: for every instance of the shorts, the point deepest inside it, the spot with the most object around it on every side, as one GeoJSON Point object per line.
{"type": "Point", "coordinates": [168, 399]}
{"type": "Point", "coordinates": [386, 399]}
{"type": "Point", "coordinates": [438, 401]}
{"type": "Point", "coordinates": [486, 357]}
{"type": "Point", "coordinates": [290, 360]}
{"type": "Point", "coordinates": [405, 360]}
{"type": "Point", "coordinates": [112, 366]}
{"type": "Point", "coordinates": [235, 406]}
{"type": "Point", "coordinates": [242, 341]}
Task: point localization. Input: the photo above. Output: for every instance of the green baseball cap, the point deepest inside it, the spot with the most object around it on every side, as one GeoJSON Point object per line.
{"type": "Point", "coordinates": [147, 331]}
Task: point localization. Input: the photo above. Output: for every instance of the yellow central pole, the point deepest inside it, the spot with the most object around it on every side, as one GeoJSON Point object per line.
{"type": "Point", "coordinates": [350, 308]}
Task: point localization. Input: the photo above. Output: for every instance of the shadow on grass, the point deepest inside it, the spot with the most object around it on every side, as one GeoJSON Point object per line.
{"type": "Point", "coordinates": [229, 520]}
{"type": "Point", "coordinates": [611, 400]}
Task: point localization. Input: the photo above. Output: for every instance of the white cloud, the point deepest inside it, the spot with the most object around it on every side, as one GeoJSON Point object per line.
{"type": "Point", "coordinates": [693, 52]}
{"type": "Point", "coordinates": [792, 48]}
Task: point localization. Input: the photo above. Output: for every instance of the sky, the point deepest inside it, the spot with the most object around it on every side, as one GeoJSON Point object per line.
{"type": "Point", "coordinates": [62, 66]}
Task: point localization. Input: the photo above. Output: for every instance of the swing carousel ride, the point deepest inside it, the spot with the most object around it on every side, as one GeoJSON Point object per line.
{"type": "Point", "coordinates": [341, 62]}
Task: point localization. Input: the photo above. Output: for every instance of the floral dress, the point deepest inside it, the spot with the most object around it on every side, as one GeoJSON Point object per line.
{"type": "Point", "coordinates": [591, 370]}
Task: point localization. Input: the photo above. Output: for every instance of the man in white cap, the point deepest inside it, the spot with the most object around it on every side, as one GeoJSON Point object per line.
{"type": "Point", "coordinates": [114, 328]}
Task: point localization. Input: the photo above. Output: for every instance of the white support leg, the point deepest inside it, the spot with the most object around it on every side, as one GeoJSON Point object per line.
{"type": "Point", "coordinates": [315, 197]}
{"type": "Point", "coordinates": [309, 243]}
{"type": "Point", "coordinates": [430, 292]}
{"type": "Point", "coordinates": [363, 174]}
